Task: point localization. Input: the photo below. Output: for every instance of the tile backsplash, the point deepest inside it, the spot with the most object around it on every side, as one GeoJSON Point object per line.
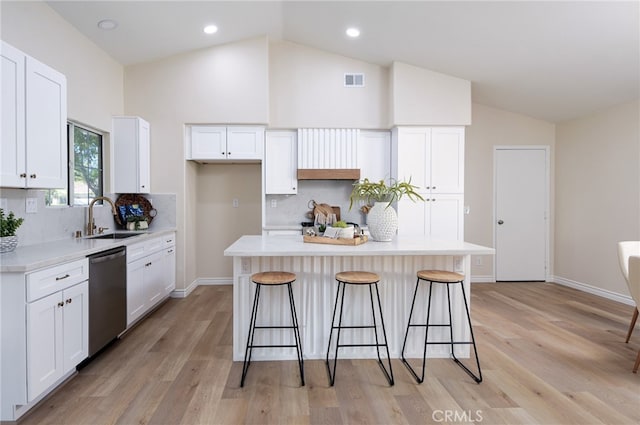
{"type": "Point", "coordinates": [55, 223]}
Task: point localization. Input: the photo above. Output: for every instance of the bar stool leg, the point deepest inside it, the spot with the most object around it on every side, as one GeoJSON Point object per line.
{"type": "Point", "coordinates": [332, 376]}
{"type": "Point", "coordinates": [477, 378]}
{"type": "Point", "coordinates": [252, 327]}
{"type": "Point", "coordinates": [387, 374]}
{"type": "Point", "coordinates": [406, 334]}
{"type": "Point", "coordinates": [296, 332]}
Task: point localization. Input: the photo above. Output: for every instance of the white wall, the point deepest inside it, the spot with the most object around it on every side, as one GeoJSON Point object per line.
{"type": "Point", "coordinates": [597, 195]}
{"type": "Point", "coordinates": [493, 127]}
{"type": "Point", "coordinates": [308, 90]}
{"type": "Point", "coordinates": [422, 97]}
{"type": "Point", "coordinates": [223, 84]}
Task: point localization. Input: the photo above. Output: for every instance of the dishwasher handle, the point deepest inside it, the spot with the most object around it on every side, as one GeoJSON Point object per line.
{"type": "Point", "coordinates": [108, 256]}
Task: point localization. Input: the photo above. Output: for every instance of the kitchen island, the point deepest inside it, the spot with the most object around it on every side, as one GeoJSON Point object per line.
{"type": "Point", "coordinates": [314, 291]}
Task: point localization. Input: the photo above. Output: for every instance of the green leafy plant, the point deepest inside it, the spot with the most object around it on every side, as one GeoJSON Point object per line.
{"type": "Point", "coordinates": [9, 224]}
{"type": "Point", "coordinates": [382, 192]}
{"type": "Point", "coordinates": [342, 224]}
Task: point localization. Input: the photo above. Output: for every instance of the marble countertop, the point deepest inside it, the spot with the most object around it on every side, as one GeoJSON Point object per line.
{"type": "Point", "coordinates": [277, 246]}
{"type": "Point", "coordinates": [30, 257]}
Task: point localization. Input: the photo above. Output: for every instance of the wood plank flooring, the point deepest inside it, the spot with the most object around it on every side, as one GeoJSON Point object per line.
{"type": "Point", "coordinates": [549, 355]}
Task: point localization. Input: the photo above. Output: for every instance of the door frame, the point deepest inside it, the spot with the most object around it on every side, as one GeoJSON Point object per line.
{"type": "Point", "coordinates": [547, 151]}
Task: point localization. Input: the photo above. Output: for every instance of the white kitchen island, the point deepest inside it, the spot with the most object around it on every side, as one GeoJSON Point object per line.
{"type": "Point", "coordinates": [315, 289]}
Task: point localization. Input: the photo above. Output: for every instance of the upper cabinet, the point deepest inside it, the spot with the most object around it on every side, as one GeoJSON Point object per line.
{"type": "Point", "coordinates": [34, 123]}
{"type": "Point", "coordinates": [280, 163]}
{"type": "Point", "coordinates": [131, 141]}
{"type": "Point", "coordinates": [213, 143]}
{"type": "Point", "coordinates": [374, 155]}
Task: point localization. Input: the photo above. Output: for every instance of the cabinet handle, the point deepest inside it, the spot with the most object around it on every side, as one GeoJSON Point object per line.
{"type": "Point", "coordinates": [60, 304]}
{"type": "Point", "coordinates": [170, 251]}
{"type": "Point", "coordinates": [63, 277]}
{"type": "Point", "coordinates": [433, 187]}
{"type": "Point", "coordinates": [33, 176]}
{"type": "Point", "coordinates": [23, 175]}
{"type": "Point", "coordinates": [69, 301]}
{"type": "Point", "coordinates": [148, 264]}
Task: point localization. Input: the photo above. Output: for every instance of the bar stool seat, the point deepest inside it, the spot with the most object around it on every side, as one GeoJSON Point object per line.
{"type": "Point", "coordinates": [358, 278]}
{"type": "Point", "coordinates": [446, 278]}
{"type": "Point", "coordinates": [272, 278]}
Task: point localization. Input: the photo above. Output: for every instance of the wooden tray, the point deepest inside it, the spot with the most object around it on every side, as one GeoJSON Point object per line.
{"type": "Point", "coordinates": [338, 241]}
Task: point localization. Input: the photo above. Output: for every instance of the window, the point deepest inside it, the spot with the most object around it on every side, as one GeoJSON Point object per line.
{"type": "Point", "coordinates": [85, 168]}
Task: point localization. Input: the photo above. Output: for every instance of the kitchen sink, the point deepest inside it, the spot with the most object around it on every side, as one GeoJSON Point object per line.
{"type": "Point", "coordinates": [115, 236]}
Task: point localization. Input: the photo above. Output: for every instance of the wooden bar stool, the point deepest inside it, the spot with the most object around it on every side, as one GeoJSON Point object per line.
{"type": "Point", "coordinates": [274, 278]}
{"type": "Point", "coordinates": [358, 278]}
{"type": "Point", "coordinates": [446, 278]}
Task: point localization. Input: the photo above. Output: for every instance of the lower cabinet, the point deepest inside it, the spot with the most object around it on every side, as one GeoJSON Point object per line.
{"type": "Point", "coordinates": [439, 216]}
{"type": "Point", "coordinates": [150, 274]}
{"type": "Point", "coordinates": [57, 336]}
{"type": "Point", "coordinates": [45, 332]}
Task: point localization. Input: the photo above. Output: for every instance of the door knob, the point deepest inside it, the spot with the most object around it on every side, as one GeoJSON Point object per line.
{"type": "Point", "coordinates": [500, 222]}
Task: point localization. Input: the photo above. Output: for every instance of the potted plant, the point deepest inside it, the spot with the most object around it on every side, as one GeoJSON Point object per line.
{"type": "Point", "coordinates": [8, 226]}
{"type": "Point", "coordinates": [382, 218]}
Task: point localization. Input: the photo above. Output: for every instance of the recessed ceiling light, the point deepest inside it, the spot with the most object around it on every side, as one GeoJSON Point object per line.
{"type": "Point", "coordinates": [107, 24]}
{"type": "Point", "coordinates": [353, 32]}
{"type": "Point", "coordinates": [210, 29]}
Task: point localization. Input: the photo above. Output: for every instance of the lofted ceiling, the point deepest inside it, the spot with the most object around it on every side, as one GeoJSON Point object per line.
{"type": "Point", "coordinates": [549, 60]}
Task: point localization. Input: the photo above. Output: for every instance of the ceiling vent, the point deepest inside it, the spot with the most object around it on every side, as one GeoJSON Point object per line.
{"type": "Point", "coordinates": [354, 80]}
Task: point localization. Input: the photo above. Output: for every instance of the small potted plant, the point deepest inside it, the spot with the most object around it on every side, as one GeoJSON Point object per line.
{"type": "Point", "coordinates": [382, 219]}
{"type": "Point", "coordinates": [8, 226]}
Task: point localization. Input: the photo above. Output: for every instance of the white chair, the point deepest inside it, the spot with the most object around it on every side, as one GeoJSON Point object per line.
{"type": "Point", "coordinates": [625, 250]}
{"type": "Point", "coordinates": [634, 288]}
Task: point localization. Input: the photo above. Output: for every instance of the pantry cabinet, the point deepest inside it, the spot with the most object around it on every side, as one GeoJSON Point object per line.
{"type": "Point", "coordinates": [211, 143]}
{"type": "Point", "coordinates": [281, 163]}
{"type": "Point", "coordinates": [131, 140]}
{"type": "Point", "coordinates": [433, 159]}
{"type": "Point", "coordinates": [34, 123]}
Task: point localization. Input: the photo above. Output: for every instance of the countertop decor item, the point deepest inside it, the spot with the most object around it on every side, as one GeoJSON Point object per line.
{"type": "Point", "coordinates": [8, 226]}
{"type": "Point", "coordinates": [382, 218]}
{"type": "Point", "coordinates": [135, 208]}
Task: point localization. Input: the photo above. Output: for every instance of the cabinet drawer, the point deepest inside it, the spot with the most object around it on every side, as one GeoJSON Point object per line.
{"type": "Point", "coordinates": [169, 240]}
{"type": "Point", "coordinates": [142, 249]}
{"type": "Point", "coordinates": [52, 279]}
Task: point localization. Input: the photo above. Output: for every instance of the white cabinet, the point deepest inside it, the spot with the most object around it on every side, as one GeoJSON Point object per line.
{"type": "Point", "coordinates": [45, 332]}
{"type": "Point", "coordinates": [433, 158]}
{"type": "Point", "coordinates": [34, 123]}
{"type": "Point", "coordinates": [281, 163]}
{"type": "Point", "coordinates": [131, 142]}
{"type": "Point", "coordinates": [150, 274]}
{"type": "Point", "coordinates": [211, 143]}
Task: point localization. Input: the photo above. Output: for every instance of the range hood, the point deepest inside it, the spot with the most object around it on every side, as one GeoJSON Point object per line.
{"type": "Point", "coordinates": [328, 154]}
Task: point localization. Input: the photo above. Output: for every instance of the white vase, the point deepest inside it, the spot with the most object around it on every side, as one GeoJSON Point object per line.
{"type": "Point", "coordinates": [8, 243]}
{"type": "Point", "coordinates": [382, 221]}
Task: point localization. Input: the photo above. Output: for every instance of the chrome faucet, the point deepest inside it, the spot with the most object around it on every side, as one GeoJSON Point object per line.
{"type": "Point", "coordinates": [92, 224]}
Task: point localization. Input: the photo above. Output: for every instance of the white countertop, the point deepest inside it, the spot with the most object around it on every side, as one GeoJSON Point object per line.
{"type": "Point", "coordinates": [30, 257]}
{"type": "Point", "coordinates": [280, 246]}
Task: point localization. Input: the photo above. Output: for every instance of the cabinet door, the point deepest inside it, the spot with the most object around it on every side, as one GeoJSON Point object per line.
{"type": "Point", "coordinates": [245, 142]}
{"type": "Point", "coordinates": [414, 156]}
{"type": "Point", "coordinates": [169, 273]}
{"type": "Point", "coordinates": [447, 160]}
{"type": "Point", "coordinates": [46, 126]}
{"type": "Point", "coordinates": [374, 155]}
{"type": "Point", "coordinates": [154, 278]}
{"type": "Point", "coordinates": [12, 148]}
{"type": "Point", "coordinates": [136, 299]}
{"type": "Point", "coordinates": [445, 216]}
{"type": "Point", "coordinates": [75, 322]}
{"type": "Point", "coordinates": [144, 155]}
{"type": "Point", "coordinates": [44, 344]}
{"type": "Point", "coordinates": [208, 142]}
{"type": "Point", "coordinates": [280, 163]}
{"type": "Point", "coordinates": [412, 218]}
{"type": "Point", "coordinates": [131, 150]}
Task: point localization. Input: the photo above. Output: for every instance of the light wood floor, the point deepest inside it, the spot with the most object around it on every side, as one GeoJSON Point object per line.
{"type": "Point", "coordinates": [549, 355]}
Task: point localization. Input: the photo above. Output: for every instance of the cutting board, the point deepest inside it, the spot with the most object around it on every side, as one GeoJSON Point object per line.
{"type": "Point", "coordinates": [337, 241]}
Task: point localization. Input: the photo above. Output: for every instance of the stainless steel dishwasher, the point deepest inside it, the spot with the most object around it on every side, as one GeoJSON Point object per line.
{"type": "Point", "coordinates": [107, 297]}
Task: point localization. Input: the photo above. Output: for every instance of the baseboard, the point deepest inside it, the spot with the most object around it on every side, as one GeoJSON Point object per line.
{"type": "Point", "coordinates": [184, 293]}
{"type": "Point", "coordinates": [214, 281]}
{"type": "Point", "coordinates": [624, 299]}
{"type": "Point", "coordinates": [482, 279]}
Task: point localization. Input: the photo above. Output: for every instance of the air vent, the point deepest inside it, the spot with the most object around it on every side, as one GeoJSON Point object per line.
{"type": "Point", "coordinates": [354, 80]}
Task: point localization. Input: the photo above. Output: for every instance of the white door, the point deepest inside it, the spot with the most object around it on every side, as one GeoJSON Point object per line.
{"type": "Point", "coordinates": [12, 128]}
{"type": "Point", "coordinates": [521, 200]}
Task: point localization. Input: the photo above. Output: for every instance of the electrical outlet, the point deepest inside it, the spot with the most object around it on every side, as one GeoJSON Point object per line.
{"type": "Point", "coordinates": [31, 206]}
{"type": "Point", "coordinates": [245, 265]}
{"type": "Point", "coordinates": [478, 261]}
{"type": "Point", "coordinates": [274, 203]}
{"type": "Point", "coordinates": [235, 203]}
